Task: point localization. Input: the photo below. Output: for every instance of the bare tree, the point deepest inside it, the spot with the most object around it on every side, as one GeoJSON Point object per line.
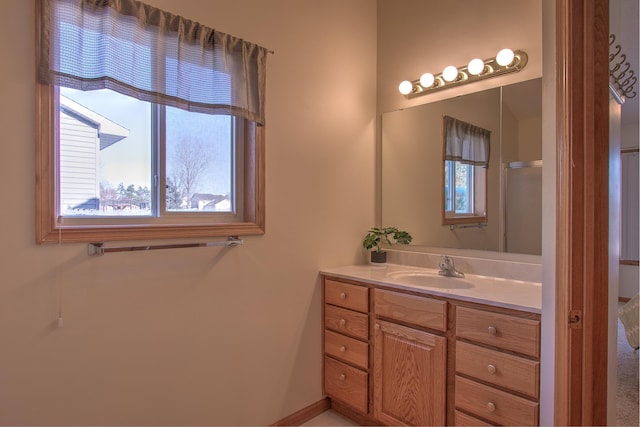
{"type": "Point", "coordinates": [190, 159]}
{"type": "Point", "coordinates": [173, 196]}
{"type": "Point", "coordinates": [108, 195]}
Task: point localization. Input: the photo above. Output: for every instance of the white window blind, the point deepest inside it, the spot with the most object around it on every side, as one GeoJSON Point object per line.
{"type": "Point", "coordinates": [155, 56]}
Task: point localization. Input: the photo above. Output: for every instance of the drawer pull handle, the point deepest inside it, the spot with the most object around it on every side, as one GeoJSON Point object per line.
{"type": "Point", "coordinates": [491, 369]}
{"type": "Point", "coordinates": [377, 326]}
{"type": "Point", "coordinates": [343, 322]}
{"type": "Point", "coordinates": [343, 295]}
{"type": "Point", "coordinates": [492, 330]}
{"type": "Point", "coordinates": [343, 349]}
{"type": "Point", "coordinates": [343, 377]}
{"type": "Point", "coordinates": [491, 406]}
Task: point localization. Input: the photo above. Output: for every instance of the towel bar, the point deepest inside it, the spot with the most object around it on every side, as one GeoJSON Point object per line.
{"type": "Point", "coordinates": [100, 249]}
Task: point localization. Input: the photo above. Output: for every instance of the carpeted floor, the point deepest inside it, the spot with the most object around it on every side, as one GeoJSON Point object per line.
{"type": "Point", "coordinates": [627, 392]}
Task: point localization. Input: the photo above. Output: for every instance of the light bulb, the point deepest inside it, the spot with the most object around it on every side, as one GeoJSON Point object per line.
{"type": "Point", "coordinates": [476, 66]}
{"type": "Point", "coordinates": [504, 57]}
{"type": "Point", "coordinates": [450, 73]}
{"type": "Point", "coordinates": [427, 80]}
{"type": "Point", "coordinates": [405, 87]}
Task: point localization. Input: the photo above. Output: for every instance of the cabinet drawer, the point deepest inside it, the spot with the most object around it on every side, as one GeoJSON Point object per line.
{"type": "Point", "coordinates": [499, 330]}
{"type": "Point", "coordinates": [347, 349]}
{"type": "Point", "coordinates": [346, 383]}
{"type": "Point", "coordinates": [494, 405]}
{"type": "Point", "coordinates": [506, 370]}
{"type": "Point", "coordinates": [465, 420]}
{"type": "Point", "coordinates": [346, 295]}
{"type": "Point", "coordinates": [417, 310]}
{"type": "Point", "coordinates": [346, 321]}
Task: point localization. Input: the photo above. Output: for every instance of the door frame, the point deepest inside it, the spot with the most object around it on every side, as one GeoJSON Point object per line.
{"type": "Point", "coordinates": [582, 212]}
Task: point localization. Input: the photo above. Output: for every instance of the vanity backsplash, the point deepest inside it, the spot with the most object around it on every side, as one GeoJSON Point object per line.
{"type": "Point", "coordinates": [516, 269]}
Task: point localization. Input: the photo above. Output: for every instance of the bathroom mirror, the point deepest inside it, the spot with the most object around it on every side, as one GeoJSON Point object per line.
{"type": "Point", "coordinates": [412, 170]}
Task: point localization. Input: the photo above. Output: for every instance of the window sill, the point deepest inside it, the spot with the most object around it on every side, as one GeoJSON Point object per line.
{"type": "Point", "coordinates": [75, 234]}
{"type": "Point", "coordinates": [472, 219]}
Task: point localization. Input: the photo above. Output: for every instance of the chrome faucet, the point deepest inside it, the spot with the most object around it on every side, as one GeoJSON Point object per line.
{"type": "Point", "coordinates": [447, 268]}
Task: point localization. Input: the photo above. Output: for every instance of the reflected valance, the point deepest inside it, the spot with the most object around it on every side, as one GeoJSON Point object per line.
{"type": "Point", "coordinates": [465, 142]}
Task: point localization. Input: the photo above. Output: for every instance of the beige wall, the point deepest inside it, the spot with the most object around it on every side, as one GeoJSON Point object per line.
{"type": "Point", "coordinates": [413, 38]}
{"type": "Point", "coordinates": [530, 139]}
{"type": "Point", "coordinates": [196, 336]}
{"type": "Point", "coordinates": [629, 274]}
{"type": "Point", "coordinates": [412, 167]}
{"type": "Point", "coordinates": [629, 135]}
{"type": "Point", "coordinates": [510, 137]}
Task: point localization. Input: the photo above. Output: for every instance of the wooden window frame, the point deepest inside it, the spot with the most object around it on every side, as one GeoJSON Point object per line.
{"type": "Point", "coordinates": [448, 219]}
{"type": "Point", "coordinates": [50, 230]}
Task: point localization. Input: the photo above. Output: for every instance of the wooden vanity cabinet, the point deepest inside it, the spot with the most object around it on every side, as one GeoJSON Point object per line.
{"type": "Point", "coordinates": [410, 363]}
{"type": "Point", "coordinates": [497, 368]}
{"type": "Point", "coordinates": [396, 357]}
{"type": "Point", "coordinates": [346, 344]}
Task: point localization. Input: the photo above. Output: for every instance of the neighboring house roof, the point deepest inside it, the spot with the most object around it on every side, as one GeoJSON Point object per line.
{"type": "Point", "coordinates": [222, 205]}
{"type": "Point", "coordinates": [208, 197]}
{"type": "Point", "coordinates": [109, 131]}
{"type": "Point", "coordinates": [208, 202]}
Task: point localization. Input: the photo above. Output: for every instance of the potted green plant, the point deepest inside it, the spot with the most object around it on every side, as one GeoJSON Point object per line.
{"type": "Point", "coordinates": [384, 236]}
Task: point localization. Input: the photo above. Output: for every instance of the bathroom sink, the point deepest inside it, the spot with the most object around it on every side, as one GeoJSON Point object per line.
{"type": "Point", "coordinates": [429, 279]}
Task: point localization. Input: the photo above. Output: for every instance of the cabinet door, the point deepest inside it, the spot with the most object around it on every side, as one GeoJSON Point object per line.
{"type": "Point", "coordinates": [409, 376]}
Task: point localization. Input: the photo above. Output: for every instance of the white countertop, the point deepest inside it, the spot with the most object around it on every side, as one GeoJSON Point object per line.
{"type": "Point", "coordinates": [507, 293]}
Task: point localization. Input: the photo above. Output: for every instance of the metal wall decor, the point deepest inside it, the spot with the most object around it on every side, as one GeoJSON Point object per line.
{"type": "Point", "coordinates": [622, 78]}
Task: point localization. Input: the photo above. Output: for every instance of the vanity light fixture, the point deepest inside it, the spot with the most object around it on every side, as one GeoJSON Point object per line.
{"type": "Point", "coordinates": [426, 80]}
{"type": "Point", "coordinates": [450, 73]}
{"type": "Point", "coordinates": [505, 57]}
{"type": "Point", "coordinates": [506, 61]}
{"type": "Point", "coordinates": [476, 66]}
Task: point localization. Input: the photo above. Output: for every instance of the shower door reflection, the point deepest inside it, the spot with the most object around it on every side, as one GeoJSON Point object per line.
{"type": "Point", "coordinates": [522, 207]}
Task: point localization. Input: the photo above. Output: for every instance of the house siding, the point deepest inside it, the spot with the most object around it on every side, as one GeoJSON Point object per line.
{"type": "Point", "coordinates": [79, 145]}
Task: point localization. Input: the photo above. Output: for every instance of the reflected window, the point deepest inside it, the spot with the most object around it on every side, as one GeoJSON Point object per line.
{"type": "Point", "coordinates": [459, 188]}
{"type": "Point", "coordinates": [466, 158]}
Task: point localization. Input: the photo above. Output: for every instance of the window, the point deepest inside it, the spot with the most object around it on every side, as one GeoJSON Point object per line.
{"type": "Point", "coordinates": [466, 158]}
{"type": "Point", "coordinates": [145, 131]}
{"type": "Point", "coordinates": [629, 206]}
